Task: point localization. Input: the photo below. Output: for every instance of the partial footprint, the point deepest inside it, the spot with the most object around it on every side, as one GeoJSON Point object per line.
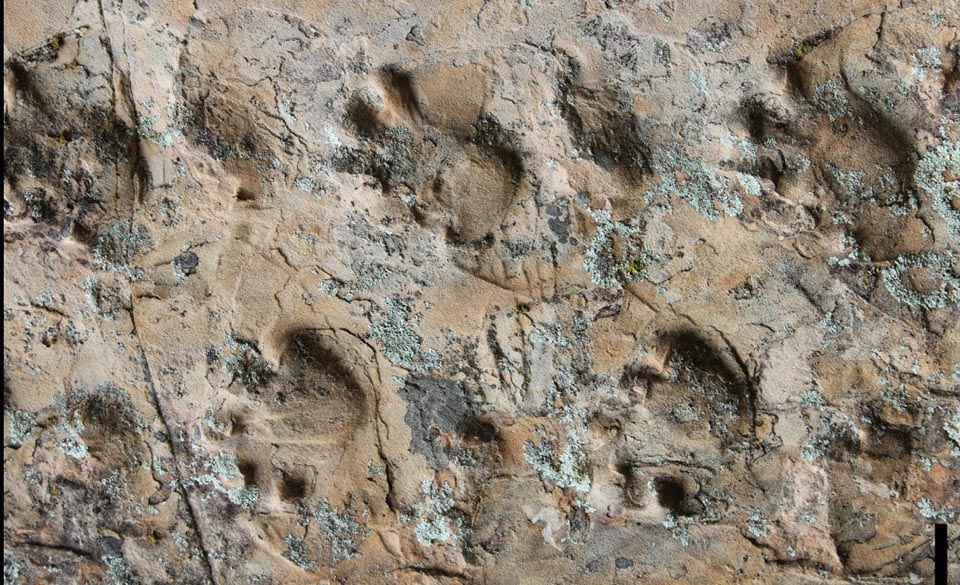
{"type": "Point", "coordinates": [424, 132]}
{"type": "Point", "coordinates": [697, 389]}
{"type": "Point", "coordinates": [305, 443]}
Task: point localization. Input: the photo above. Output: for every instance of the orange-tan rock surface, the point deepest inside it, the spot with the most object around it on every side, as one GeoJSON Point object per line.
{"type": "Point", "coordinates": [480, 292]}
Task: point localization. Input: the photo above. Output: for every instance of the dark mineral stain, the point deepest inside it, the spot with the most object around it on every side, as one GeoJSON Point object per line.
{"type": "Point", "coordinates": [558, 223]}
{"type": "Point", "coordinates": [187, 262]}
{"type": "Point", "coordinates": [439, 406]}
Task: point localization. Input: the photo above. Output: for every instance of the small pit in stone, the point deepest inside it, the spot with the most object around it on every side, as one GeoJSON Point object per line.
{"type": "Point", "coordinates": [245, 195]}
{"type": "Point", "coordinates": [248, 470]}
{"type": "Point", "coordinates": [670, 493]}
{"type": "Point", "coordinates": [292, 487]}
{"type": "Point", "coordinates": [237, 426]}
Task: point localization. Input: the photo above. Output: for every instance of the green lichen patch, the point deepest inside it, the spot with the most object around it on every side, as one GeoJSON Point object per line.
{"type": "Point", "coordinates": [119, 571]}
{"type": "Point", "coordinates": [703, 188]}
{"type": "Point", "coordinates": [108, 407]}
{"type": "Point", "coordinates": [938, 268]}
{"type": "Point", "coordinates": [20, 424]}
{"type": "Point", "coordinates": [107, 299]}
{"type": "Point", "coordinates": [114, 249]}
{"type": "Point", "coordinates": [341, 531]}
{"type": "Point", "coordinates": [402, 345]}
{"type": "Point", "coordinates": [245, 365]}
{"type": "Point", "coordinates": [830, 97]}
{"type": "Point", "coordinates": [433, 522]}
{"type": "Point", "coordinates": [296, 552]}
{"type": "Point", "coordinates": [565, 466]}
{"type": "Point", "coordinates": [938, 175]}
{"type": "Point", "coordinates": [757, 526]}
{"type": "Point", "coordinates": [614, 256]}
{"type": "Point", "coordinates": [952, 428]}
{"type": "Point", "coordinates": [220, 469]}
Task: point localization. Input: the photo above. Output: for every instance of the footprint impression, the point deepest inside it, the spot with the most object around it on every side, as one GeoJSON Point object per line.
{"type": "Point", "coordinates": [306, 459]}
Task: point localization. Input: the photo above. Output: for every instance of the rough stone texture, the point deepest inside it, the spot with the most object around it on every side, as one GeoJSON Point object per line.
{"type": "Point", "coordinates": [480, 292]}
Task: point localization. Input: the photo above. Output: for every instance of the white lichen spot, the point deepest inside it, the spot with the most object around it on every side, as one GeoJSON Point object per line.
{"type": "Point", "coordinates": [305, 184]}
{"type": "Point", "coordinates": [855, 255]}
{"type": "Point", "coordinates": [704, 188]}
{"type": "Point", "coordinates": [148, 121]}
{"type": "Point", "coordinates": [330, 133]}
{"type": "Point", "coordinates": [699, 81]}
{"type": "Point", "coordinates": [329, 287]}
{"type": "Point", "coordinates": [286, 110]}
{"type": "Point", "coordinates": [552, 335]}
{"type": "Point", "coordinates": [114, 248]}
{"type": "Point", "coordinates": [11, 570]}
{"type": "Point", "coordinates": [431, 530]}
{"type": "Point", "coordinates": [220, 469]}
{"type": "Point", "coordinates": [850, 184]}
{"type": "Point", "coordinates": [225, 465]}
